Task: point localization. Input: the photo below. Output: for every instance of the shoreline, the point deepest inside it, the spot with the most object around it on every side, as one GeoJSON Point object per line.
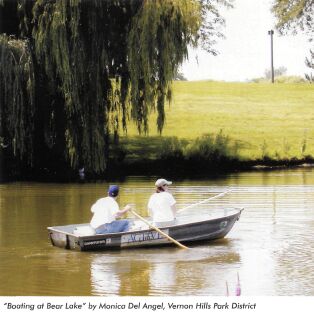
{"type": "Point", "coordinates": [179, 170]}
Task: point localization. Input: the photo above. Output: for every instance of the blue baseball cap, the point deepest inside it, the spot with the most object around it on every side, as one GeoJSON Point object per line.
{"type": "Point", "coordinates": [113, 190]}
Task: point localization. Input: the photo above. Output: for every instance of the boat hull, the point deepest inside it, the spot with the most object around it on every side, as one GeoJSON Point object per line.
{"type": "Point", "coordinates": [211, 229]}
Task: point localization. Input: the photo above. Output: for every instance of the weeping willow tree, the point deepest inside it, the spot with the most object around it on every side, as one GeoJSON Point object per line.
{"type": "Point", "coordinates": [72, 40]}
{"type": "Point", "coordinates": [17, 99]}
{"type": "Point", "coordinates": [99, 64]}
{"type": "Point", "coordinates": [157, 43]}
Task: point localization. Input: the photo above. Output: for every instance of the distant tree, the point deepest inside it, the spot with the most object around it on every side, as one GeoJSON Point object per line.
{"type": "Point", "coordinates": [310, 63]}
{"type": "Point", "coordinates": [280, 71]}
{"type": "Point", "coordinates": [293, 15]}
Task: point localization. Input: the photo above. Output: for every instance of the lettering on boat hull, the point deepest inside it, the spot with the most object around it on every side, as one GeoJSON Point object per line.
{"type": "Point", "coordinates": [143, 237]}
{"type": "Point", "coordinates": [98, 242]}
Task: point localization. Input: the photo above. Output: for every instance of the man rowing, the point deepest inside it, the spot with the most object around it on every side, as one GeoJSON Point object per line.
{"type": "Point", "coordinates": [106, 211]}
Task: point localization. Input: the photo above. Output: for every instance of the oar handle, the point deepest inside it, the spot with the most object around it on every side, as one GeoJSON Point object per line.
{"type": "Point", "coordinates": [158, 230]}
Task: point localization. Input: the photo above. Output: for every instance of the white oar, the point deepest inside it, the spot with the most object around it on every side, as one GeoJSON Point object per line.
{"type": "Point", "coordinates": [204, 201]}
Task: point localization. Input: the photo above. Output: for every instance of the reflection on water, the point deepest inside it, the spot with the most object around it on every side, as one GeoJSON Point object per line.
{"type": "Point", "coordinates": [271, 247]}
{"type": "Point", "coordinates": [158, 272]}
{"type": "Point", "coordinates": [104, 277]}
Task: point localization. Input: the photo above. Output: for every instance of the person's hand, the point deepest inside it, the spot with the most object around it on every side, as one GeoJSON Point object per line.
{"type": "Point", "coordinates": [128, 207]}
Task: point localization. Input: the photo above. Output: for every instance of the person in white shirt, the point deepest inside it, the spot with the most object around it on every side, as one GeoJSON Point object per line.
{"type": "Point", "coordinates": [162, 205]}
{"type": "Point", "coordinates": [106, 210]}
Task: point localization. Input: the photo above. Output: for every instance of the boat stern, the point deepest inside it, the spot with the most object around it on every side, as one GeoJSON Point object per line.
{"type": "Point", "coordinates": [62, 239]}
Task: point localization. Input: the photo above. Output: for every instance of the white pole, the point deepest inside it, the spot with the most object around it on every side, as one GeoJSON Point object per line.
{"type": "Point", "coordinates": [204, 201]}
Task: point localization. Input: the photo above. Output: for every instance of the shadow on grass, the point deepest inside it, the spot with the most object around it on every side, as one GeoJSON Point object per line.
{"type": "Point", "coordinates": [207, 155]}
{"type": "Point", "coordinates": [170, 155]}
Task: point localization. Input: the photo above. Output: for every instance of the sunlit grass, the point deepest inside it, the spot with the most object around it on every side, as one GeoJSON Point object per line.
{"type": "Point", "coordinates": [266, 120]}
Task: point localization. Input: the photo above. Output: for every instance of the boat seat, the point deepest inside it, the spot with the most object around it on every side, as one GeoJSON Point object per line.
{"type": "Point", "coordinates": [137, 225]}
{"type": "Point", "coordinates": [84, 230]}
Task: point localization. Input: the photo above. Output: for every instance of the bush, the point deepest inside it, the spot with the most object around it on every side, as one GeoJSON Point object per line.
{"type": "Point", "coordinates": [289, 79]}
{"type": "Point", "coordinates": [211, 148]}
{"type": "Point", "coordinates": [280, 79]}
{"type": "Point", "coordinates": [172, 149]}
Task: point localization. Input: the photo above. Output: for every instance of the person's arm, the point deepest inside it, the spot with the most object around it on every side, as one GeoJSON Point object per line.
{"type": "Point", "coordinates": [123, 211]}
{"type": "Point", "coordinates": [172, 203]}
{"type": "Point", "coordinates": [95, 206]}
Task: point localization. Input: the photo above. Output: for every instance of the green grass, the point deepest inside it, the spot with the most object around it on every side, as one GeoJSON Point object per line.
{"type": "Point", "coordinates": [264, 119]}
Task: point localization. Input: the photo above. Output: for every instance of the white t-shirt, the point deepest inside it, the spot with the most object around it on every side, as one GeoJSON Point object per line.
{"type": "Point", "coordinates": [159, 207]}
{"type": "Point", "coordinates": [104, 211]}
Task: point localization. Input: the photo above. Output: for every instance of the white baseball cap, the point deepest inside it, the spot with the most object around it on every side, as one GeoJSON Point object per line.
{"type": "Point", "coordinates": [162, 182]}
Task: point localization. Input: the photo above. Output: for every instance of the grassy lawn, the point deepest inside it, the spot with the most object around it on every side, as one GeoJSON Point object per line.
{"type": "Point", "coordinates": [265, 119]}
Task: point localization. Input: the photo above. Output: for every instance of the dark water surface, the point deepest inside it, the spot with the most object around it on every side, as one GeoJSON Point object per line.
{"type": "Point", "coordinates": [271, 247]}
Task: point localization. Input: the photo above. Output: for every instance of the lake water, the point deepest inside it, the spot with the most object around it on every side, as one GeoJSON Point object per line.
{"type": "Point", "coordinates": [271, 247]}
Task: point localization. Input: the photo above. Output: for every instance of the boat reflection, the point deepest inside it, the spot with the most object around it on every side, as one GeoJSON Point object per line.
{"type": "Point", "coordinates": [164, 271]}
